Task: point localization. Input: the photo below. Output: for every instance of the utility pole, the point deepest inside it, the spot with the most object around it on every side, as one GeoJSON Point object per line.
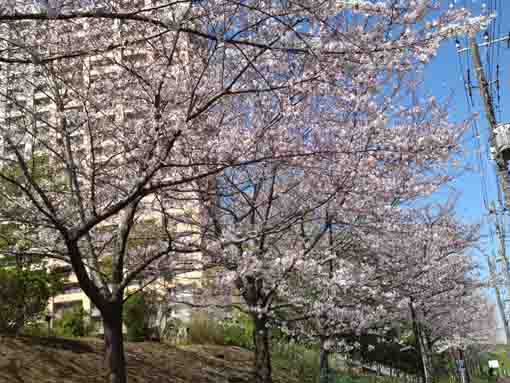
{"type": "Point", "coordinates": [499, 138]}
{"type": "Point", "coordinates": [497, 133]}
{"type": "Point", "coordinates": [499, 299]}
{"type": "Point", "coordinates": [506, 271]}
{"type": "Point", "coordinates": [500, 233]}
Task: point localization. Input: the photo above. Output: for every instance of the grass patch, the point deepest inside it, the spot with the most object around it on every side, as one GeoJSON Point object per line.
{"type": "Point", "coordinates": [303, 361]}
{"type": "Point", "coordinates": [236, 332]}
{"type": "Point", "coordinates": [203, 330]}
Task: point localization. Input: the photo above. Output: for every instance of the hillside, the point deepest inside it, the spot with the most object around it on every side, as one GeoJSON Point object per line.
{"type": "Point", "coordinates": [52, 360]}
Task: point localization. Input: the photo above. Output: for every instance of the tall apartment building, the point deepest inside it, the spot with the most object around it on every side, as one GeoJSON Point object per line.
{"type": "Point", "coordinates": [37, 98]}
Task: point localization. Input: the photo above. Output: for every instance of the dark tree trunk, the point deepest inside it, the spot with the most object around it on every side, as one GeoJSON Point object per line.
{"type": "Point", "coordinates": [466, 369]}
{"type": "Point", "coordinates": [114, 359]}
{"type": "Point", "coordinates": [417, 331]}
{"type": "Point", "coordinates": [426, 357]}
{"type": "Point", "coordinates": [324, 363]}
{"type": "Point", "coordinates": [262, 351]}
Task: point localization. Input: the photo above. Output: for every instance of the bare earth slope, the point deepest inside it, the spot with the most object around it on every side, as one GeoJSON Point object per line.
{"type": "Point", "coordinates": [52, 360]}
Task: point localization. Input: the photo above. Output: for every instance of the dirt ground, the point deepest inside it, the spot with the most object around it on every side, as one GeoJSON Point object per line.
{"type": "Point", "coordinates": [51, 360]}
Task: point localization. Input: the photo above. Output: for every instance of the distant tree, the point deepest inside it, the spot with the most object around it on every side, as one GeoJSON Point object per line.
{"type": "Point", "coordinates": [24, 294]}
{"type": "Point", "coordinates": [73, 323]}
{"type": "Point", "coordinates": [137, 311]}
{"type": "Point", "coordinates": [25, 283]}
{"type": "Point", "coordinates": [434, 280]}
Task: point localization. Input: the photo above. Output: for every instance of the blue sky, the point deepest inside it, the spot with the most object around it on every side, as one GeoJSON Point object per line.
{"type": "Point", "coordinates": [445, 77]}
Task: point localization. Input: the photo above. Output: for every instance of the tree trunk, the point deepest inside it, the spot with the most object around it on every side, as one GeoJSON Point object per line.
{"type": "Point", "coordinates": [324, 363]}
{"type": "Point", "coordinates": [466, 371]}
{"type": "Point", "coordinates": [262, 351]}
{"type": "Point", "coordinates": [425, 357]}
{"type": "Point", "coordinates": [427, 378]}
{"type": "Point", "coordinates": [114, 359]}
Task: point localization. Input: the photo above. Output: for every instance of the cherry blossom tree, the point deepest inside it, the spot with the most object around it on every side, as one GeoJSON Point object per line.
{"type": "Point", "coordinates": [285, 243]}
{"type": "Point", "coordinates": [434, 279]}
{"type": "Point", "coordinates": [414, 267]}
{"type": "Point", "coordinates": [138, 103]}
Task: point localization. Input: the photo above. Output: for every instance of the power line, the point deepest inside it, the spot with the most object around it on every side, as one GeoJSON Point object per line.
{"type": "Point", "coordinates": [482, 169]}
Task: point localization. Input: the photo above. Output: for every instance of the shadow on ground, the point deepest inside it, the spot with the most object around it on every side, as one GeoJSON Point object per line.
{"type": "Point", "coordinates": [53, 360]}
{"type": "Point", "coordinates": [73, 345]}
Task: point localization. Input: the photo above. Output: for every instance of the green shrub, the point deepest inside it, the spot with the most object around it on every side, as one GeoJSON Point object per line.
{"type": "Point", "coordinates": [72, 324]}
{"type": "Point", "coordinates": [239, 331]}
{"type": "Point", "coordinates": [136, 317]}
{"type": "Point", "coordinates": [236, 335]}
{"type": "Point", "coordinates": [345, 379]}
{"type": "Point", "coordinates": [37, 329]}
{"type": "Point", "coordinates": [24, 294]}
{"type": "Point", "coordinates": [302, 360]}
{"type": "Point", "coordinates": [235, 332]}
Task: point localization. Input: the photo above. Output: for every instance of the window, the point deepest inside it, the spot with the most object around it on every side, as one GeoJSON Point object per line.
{"type": "Point", "coordinates": [42, 88]}
{"type": "Point", "coordinates": [62, 269]}
{"type": "Point", "coordinates": [99, 151]}
{"type": "Point", "coordinates": [16, 105]}
{"type": "Point", "coordinates": [42, 102]}
{"type": "Point", "coordinates": [15, 121]}
{"type": "Point", "coordinates": [138, 4]}
{"type": "Point", "coordinates": [45, 116]}
{"type": "Point", "coordinates": [60, 308]}
{"type": "Point", "coordinates": [135, 59]}
{"type": "Point", "coordinates": [99, 62]}
{"type": "Point", "coordinates": [76, 141]}
{"type": "Point", "coordinates": [42, 118]}
{"type": "Point", "coordinates": [132, 116]}
{"type": "Point", "coordinates": [72, 288]}
{"type": "Point", "coordinates": [11, 149]}
{"type": "Point", "coordinates": [94, 77]}
{"type": "Point", "coordinates": [69, 27]}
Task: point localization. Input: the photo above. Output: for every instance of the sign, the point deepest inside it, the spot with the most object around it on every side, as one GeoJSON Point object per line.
{"type": "Point", "coordinates": [493, 364]}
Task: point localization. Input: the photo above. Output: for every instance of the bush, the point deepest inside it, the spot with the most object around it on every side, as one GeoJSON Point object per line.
{"type": "Point", "coordinates": [236, 332]}
{"type": "Point", "coordinates": [37, 329]}
{"type": "Point", "coordinates": [24, 295]}
{"type": "Point", "coordinates": [345, 379]}
{"type": "Point", "coordinates": [302, 360]}
{"type": "Point", "coordinates": [72, 324]}
{"type": "Point", "coordinates": [136, 317]}
{"type": "Point", "coordinates": [239, 331]}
